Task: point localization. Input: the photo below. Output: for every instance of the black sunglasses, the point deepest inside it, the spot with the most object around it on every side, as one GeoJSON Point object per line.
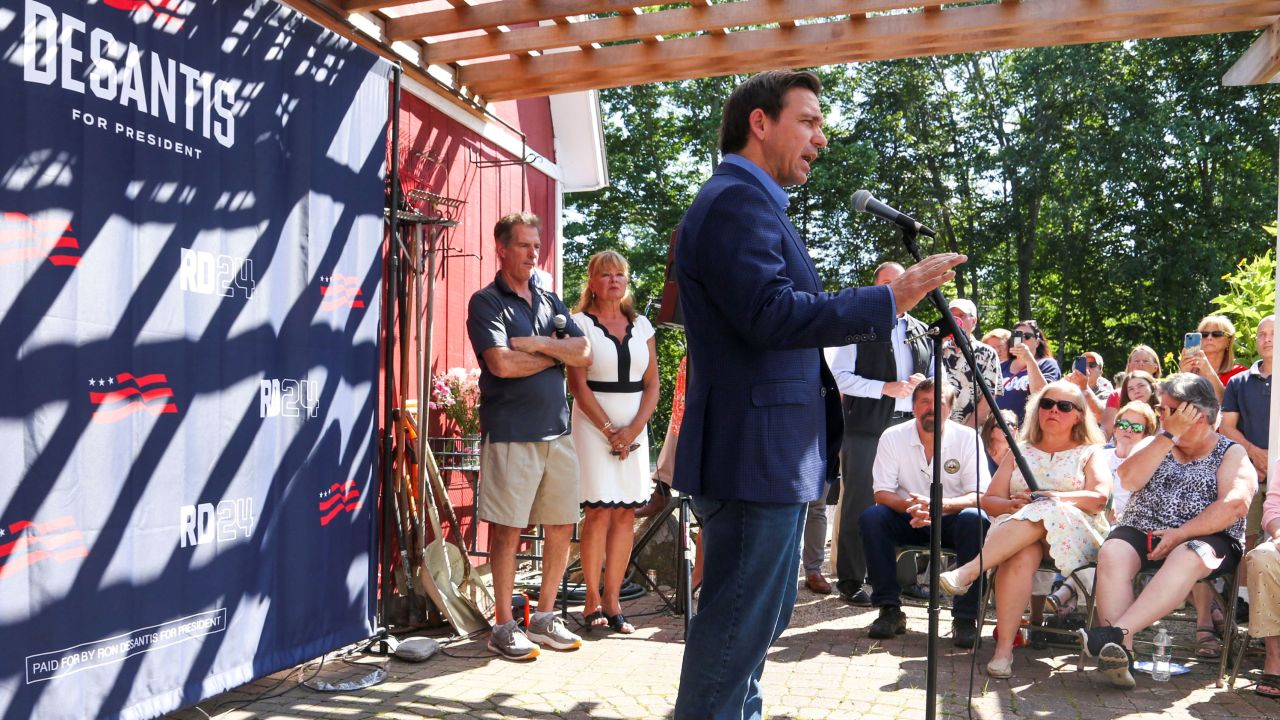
{"type": "Point", "coordinates": [1062, 405]}
{"type": "Point", "coordinates": [1214, 333]}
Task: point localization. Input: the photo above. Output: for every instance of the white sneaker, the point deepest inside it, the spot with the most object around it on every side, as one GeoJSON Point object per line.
{"type": "Point", "coordinates": [552, 633]}
{"type": "Point", "coordinates": [510, 643]}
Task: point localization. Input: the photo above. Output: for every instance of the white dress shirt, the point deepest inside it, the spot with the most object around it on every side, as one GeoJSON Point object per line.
{"type": "Point", "coordinates": [900, 466]}
{"type": "Point", "coordinates": [854, 385]}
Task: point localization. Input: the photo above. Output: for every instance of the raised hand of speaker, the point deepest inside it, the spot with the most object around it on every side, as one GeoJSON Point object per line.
{"type": "Point", "coordinates": [920, 279]}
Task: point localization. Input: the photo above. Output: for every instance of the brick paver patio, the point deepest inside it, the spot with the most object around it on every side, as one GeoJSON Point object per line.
{"type": "Point", "coordinates": [823, 667]}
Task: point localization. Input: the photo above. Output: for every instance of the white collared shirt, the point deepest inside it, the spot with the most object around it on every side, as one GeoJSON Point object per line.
{"type": "Point", "coordinates": [845, 359]}
{"type": "Point", "coordinates": [900, 466]}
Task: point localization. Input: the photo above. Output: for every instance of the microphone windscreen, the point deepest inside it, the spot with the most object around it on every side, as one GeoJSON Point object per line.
{"type": "Point", "coordinates": [560, 321]}
{"type": "Point", "coordinates": [860, 200]}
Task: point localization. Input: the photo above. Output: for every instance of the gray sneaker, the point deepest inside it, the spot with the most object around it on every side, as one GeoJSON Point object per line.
{"type": "Point", "coordinates": [510, 643]}
{"type": "Point", "coordinates": [552, 633]}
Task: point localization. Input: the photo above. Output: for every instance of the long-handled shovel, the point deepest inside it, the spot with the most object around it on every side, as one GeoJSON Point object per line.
{"type": "Point", "coordinates": [446, 563]}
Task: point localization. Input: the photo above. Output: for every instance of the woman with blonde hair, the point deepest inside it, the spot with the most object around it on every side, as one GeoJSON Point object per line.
{"type": "Point", "coordinates": [613, 400]}
{"type": "Point", "coordinates": [1215, 358]}
{"type": "Point", "coordinates": [1063, 518]}
{"type": "Point", "coordinates": [1141, 357]}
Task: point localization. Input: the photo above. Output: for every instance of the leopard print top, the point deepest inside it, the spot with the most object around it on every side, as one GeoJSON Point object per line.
{"type": "Point", "coordinates": [1176, 493]}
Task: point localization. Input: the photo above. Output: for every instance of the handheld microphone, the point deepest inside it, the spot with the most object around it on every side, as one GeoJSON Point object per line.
{"type": "Point", "coordinates": [863, 201]}
{"type": "Point", "coordinates": [560, 322]}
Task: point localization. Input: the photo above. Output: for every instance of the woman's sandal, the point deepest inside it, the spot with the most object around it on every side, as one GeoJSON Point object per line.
{"type": "Point", "coordinates": [1208, 648]}
{"type": "Point", "coordinates": [1062, 608]}
{"type": "Point", "coordinates": [1272, 682]}
{"type": "Point", "coordinates": [619, 624]}
{"type": "Point", "coordinates": [595, 620]}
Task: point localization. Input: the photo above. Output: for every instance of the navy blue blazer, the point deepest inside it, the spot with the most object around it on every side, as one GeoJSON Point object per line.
{"type": "Point", "coordinates": [762, 419]}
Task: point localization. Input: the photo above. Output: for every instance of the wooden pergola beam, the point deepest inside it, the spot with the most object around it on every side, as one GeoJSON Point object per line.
{"type": "Point", "coordinates": [487, 15]}
{"type": "Point", "coordinates": [710, 18]}
{"type": "Point", "coordinates": [954, 30]}
{"type": "Point", "coordinates": [1260, 63]}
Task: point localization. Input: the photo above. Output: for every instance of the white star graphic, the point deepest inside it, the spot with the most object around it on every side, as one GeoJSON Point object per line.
{"type": "Point", "coordinates": [93, 382]}
{"type": "Point", "coordinates": [111, 381]}
{"type": "Point", "coordinates": [3, 532]}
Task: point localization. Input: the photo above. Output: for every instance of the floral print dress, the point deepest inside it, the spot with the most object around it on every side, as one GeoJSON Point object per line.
{"type": "Point", "coordinates": [1072, 535]}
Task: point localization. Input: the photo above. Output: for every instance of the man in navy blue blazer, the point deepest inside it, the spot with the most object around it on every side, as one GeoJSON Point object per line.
{"type": "Point", "coordinates": [762, 422]}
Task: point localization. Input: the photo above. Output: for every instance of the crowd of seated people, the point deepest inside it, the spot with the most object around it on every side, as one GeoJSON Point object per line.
{"type": "Point", "coordinates": [1148, 475]}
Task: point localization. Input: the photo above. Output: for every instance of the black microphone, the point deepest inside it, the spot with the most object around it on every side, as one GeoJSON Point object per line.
{"type": "Point", "coordinates": [864, 202]}
{"type": "Point", "coordinates": [560, 323]}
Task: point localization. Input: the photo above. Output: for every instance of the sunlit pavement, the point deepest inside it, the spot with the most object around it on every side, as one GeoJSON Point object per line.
{"type": "Point", "coordinates": [823, 667]}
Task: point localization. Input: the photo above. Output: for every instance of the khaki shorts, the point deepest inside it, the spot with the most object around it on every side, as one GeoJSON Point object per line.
{"type": "Point", "coordinates": [1253, 524]}
{"type": "Point", "coordinates": [529, 483]}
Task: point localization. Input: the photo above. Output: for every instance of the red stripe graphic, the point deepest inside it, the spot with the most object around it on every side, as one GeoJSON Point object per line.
{"type": "Point", "coordinates": [344, 497]}
{"type": "Point", "coordinates": [36, 239]}
{"type": "Point", "coordinates": [42, 542]}
{"type": "Point", "coordinates": [342, 291]}
{"type": "Point", "coordinates": [134, 394]}
{"type": "Point", "coordinates": [173, 21]}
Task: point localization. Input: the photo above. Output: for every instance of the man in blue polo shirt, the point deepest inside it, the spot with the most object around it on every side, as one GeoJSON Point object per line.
{"type": "Point", "coordinates": [1246, 417]}
{"type": "Point", "coordinates": [528, 466]}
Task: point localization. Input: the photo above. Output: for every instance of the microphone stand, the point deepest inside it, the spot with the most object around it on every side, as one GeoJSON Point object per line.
{"type": "Point", "coordinates": [947, 325]}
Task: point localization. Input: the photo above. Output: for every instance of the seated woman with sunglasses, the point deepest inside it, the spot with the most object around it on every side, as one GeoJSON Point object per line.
{"type": "Point", "coordinates": [1215, 359]}
{"type": "Point", "coordinates": [1191, 491]}
{"type": "Point", "coordinates": [1063, 518]}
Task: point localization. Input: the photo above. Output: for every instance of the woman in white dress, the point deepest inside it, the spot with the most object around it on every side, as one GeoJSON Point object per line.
{"type": "Point", "coordinates": [613, 399]}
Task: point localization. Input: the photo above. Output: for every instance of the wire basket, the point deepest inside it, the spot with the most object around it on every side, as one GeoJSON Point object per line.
{"type": "Point", "coordinates": [456, 453]}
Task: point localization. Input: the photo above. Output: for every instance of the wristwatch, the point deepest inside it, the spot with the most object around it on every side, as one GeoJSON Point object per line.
{"type": "Point", "coordinates": [1166, 433]}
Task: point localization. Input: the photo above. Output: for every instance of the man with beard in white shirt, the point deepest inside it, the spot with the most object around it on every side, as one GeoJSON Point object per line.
{"type": "Point", "coordinates": [903, 472]}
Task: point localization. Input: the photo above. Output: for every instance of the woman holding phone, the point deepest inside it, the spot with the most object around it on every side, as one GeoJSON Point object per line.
{"type": "Point", "coordinates": [1029, 368]}
{"type": "Point", "coordinates": [1210, 352]}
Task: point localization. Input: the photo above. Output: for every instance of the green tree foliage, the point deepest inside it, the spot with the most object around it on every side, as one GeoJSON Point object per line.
{"type": "Point", "coordinates": [1250, 296]}
{"type": "Point", "coordinates": [1104, 190]}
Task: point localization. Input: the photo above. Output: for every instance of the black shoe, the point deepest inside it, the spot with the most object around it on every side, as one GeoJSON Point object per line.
{"type": "Point", "coordinates": [964, 633]}
{"type": "Point", "coordinates": [1115, 662]}
{"type": "Point", "coordinates": [1094, 638]}
{"type": "Point", "coordinates": [892, 621]}
{"type": "Point", "coordinates": [861, 598]}
{"type": "Point", "coordinates": [1242, 611]}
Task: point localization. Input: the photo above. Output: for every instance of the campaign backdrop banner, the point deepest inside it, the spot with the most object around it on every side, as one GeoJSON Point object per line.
{"type": "Point", "coordinates": [190, 260]}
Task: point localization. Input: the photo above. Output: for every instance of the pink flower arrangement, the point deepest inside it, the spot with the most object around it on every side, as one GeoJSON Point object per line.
{"type": "Point", "coordinates": [456, 395]}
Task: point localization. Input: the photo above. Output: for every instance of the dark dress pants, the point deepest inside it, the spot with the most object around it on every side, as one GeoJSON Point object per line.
{"type": "Point", "coordinates": [751, 550]}
{"type": "Point", "coordinates": [884, 530]}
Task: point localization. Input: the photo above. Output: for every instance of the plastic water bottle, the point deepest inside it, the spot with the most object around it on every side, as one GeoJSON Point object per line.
{"type": "Point", "coordinates": [1160, 658]}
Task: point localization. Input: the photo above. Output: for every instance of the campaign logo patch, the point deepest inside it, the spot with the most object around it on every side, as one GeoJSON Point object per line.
{"type": "Point", "coordinates": [339, 498]}
{"type": "Point", "coordinates": [126, 394]}
{"type": "Point", "coordinates": [288, 397]}
{"type": "Point", "coordinates": [340, 291]}
{"type": "Point", "coordinates": [23, 237]}
{"type": "Point", "coordinates": [206, 523]}
{"type": "Point", "coordinates": [207, 273]}
{"type": "Point", "coordinates": [25, 543]}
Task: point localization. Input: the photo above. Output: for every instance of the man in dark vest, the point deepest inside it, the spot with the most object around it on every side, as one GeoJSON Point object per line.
{"type": "Point", "coordinates": [876, 380]}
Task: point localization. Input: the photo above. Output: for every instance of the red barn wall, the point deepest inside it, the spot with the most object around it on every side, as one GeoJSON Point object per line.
{"type": "Point", "coordinates": [439, 155]}
{"type": "Point", "coordinates": [444, 157]}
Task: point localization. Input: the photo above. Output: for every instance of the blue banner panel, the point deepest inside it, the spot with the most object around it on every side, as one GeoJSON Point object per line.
{"type": "Point", "coordinates": [191, 197]}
